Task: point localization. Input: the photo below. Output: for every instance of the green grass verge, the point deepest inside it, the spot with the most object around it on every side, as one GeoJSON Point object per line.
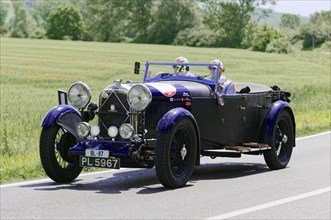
{"type": "Point", "coordinates": [32, 71]}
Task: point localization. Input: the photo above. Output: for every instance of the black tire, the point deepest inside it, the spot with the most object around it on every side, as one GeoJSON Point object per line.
{"type": "Point", "coordinates": [282, 142]}
{"type": "Point", "coordinates": [54, 145]}
{"type": "Point", "coordinates": [172, 168]}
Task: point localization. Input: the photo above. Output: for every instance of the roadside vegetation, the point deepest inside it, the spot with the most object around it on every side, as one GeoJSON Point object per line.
{"type": "Point", "coordinates": [197, 23]}
{"type": "Point", "coordinates": [33, 70]}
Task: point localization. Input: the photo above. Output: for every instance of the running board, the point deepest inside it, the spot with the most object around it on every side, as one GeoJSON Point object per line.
{"type": "Point", "coordinates": [236, 151]}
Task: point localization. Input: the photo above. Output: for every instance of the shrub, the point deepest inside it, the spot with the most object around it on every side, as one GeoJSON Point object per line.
{"type": "Point", "coordinates": [65, 20]}
{"type": "Point", "coordinates": [280, 45]}
{"type": "Point", "coordinates": [264, 36]}
{"type": "Point", "coordinates": [3, 30]}
{"type": "Point", "coordinates": [318, 29]}
{"type": "Point", "coordinates": [195, 37]}
{"type": "Point", "coordinates": [39, 33]}
{"type": "Point", "coordinates": [326, 45]}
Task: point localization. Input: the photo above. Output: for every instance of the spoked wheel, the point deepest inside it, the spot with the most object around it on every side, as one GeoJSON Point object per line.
{"type": "Point", "coordinates": [55, 143]}
{"type": "Point", "coordinates": [176, 153]}
{"type": "Point", "coordinates": [282, 142]}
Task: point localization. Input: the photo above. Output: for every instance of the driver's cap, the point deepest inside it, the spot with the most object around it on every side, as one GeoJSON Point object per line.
{"type": "Point", "coordinates": [217, 61]}
{"type": "Point", "coordinates": [181, 60]}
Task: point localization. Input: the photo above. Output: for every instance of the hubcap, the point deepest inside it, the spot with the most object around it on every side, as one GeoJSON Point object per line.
{"type": "Point", "coordinates": [285, 138]}
{"type": "Point", "coordinates": [183, 152]}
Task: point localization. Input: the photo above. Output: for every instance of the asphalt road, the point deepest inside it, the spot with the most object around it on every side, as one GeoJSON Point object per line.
{"type": "Point", "coordinates": [237, 188]}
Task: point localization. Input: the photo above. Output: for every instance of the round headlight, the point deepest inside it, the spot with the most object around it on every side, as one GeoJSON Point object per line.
{"type": "Point", "coordinates": [139, 97]}
{"type": "Point", "coordinates": [95, 130]}
{"type": "Point", "coordinates": [79, 95]}
{"type": "Point", "coordinates": [83, 129]}
{"type": "Point", "coordinates": [112, 131]}
{"type": "Point", "coordinates": [126, 131]}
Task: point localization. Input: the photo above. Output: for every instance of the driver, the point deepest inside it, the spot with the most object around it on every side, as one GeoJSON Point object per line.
{"type": "Point", "coordinates": [227, 84]}
{"type": "Point", "coordinates": [182, 70]}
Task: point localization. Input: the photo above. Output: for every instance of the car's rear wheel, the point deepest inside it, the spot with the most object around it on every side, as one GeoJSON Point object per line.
{"type": "Point", "coordinates": [282, 142]}
{"type": "Point", "coordinates": [55, 143]}
{"type": "Point", "coordinates": [175, 154]}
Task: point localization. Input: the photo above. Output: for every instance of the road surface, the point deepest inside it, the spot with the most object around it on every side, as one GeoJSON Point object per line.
{"type": "Point", "coordinates": [223, 188]}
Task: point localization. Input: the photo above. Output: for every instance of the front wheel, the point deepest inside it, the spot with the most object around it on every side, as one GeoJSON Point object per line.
{"type": "Point", "coordinates": [55, 143]}
{"type": "Point", "coordinates": [176, 154]}
{"type": "Point", "coordinates": [282, 142]}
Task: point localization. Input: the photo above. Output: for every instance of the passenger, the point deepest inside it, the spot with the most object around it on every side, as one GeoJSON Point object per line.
{"type": "Point", "coordinates": [182, 70]}
{"type": "Point", "coordinates": [227, 85]}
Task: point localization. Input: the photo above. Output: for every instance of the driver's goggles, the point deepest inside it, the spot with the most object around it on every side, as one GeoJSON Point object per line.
{"type": "Point", "coordinates": [212, 67]}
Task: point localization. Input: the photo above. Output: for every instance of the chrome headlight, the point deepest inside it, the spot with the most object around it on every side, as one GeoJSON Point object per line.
{"type": "Point", "coordinates": [126, 131]}
{"type": "Point", "coordinates": [83, 129]}
{"type": "Point", "coordinates": [79, 95]}
{"type": "Point", "coordinates": [139, 97]}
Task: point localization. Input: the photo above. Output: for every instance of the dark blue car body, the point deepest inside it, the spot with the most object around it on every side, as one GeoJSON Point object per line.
{"type": "Point", "coordinates": [186, 118]}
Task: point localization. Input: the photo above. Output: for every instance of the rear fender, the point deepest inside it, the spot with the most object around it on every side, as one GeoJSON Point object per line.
{"type": "Point", "coordinates": [169, 120]}
{"type": "Point", "coordinates": [65, 116]}
{"type": "Point", "coordinates": [271, 117]}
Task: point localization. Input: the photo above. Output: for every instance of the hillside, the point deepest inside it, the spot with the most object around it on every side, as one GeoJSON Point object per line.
{"type": "Point", "coordinates": [273, 18]}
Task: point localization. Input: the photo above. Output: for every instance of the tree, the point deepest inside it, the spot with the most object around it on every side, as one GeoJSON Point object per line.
{"type": "Point", "coordinates": [24, 25]}
{"type": "Point", "coordinates": [317, 30]}
{"type": "Point", "coordinates": [264, 36]}
{"type": "Point", "coordinates": [170, 18]}
{"type": "Point", "coordinates": [291, 21]}
{"type": "Point", "coordinates": [42, 10]}
{"type": "Point", "coordinates": [106, 19]}
{"type": "Point", "coordinates": [249, 34]}
{"type": "Point", "coordinates": [66, 20]}
{"type": "Point", "coordinates": [229, 19]}
{"type": "Point", "coordinates": [197, 36]}
{"type": "Point", "coordinates": [3, 13]}
{"type": "Point", "coordinates": [139, 19]}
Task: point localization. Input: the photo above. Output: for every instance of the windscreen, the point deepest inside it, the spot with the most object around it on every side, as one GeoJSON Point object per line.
{"type": "Point", "coordinates": [185, 71]}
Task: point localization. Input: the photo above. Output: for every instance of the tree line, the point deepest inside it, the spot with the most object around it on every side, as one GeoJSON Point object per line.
{"type": "Point", "coordinates": [198, 23]}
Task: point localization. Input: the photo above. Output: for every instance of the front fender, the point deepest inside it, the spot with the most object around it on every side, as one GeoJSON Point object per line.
{"type": "Point", "coordinates": [65, 116]}
{"type": "Point", "coordinates": [169, 120]}
{"type": "Point", "coordinates": [171, 117]}
{"type": "Point", "coordinates": [55, 113]}
{"type": "Point", "coordinates": [271, 117]}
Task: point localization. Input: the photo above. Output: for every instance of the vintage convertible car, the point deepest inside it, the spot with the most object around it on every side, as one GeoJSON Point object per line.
{"type": "Point", "coordinates": [168, 121]}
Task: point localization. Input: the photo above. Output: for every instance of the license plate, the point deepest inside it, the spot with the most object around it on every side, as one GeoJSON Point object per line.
{"type": "Point", "coordinates": [99, 162]}
{"type": "Point", "coordinates": [97, 153]}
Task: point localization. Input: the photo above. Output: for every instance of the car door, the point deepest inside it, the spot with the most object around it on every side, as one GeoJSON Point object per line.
{"type": "Point", "coordinates": [234, 122]}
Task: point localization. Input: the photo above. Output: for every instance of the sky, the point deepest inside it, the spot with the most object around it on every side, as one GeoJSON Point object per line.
{"type": "Point", "coordinates": [302, 7]}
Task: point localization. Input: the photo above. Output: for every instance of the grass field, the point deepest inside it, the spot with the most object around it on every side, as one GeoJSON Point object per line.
{"type": "Point", "coordinates": [33, 70]}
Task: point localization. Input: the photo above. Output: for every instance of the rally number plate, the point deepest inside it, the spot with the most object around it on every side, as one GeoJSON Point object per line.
{"type": "Point", "coordinates": [99, 162]}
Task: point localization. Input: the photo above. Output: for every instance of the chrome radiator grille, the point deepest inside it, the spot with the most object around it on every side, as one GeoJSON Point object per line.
{"type": "Point", "coordinates": [113, 111]}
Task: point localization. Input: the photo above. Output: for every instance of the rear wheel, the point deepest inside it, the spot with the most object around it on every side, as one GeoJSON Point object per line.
{"type": "Point", "coordinates": [175, 154]}
{"type": "Point", "coordinates": [282, 142]}
{"type": "Point", "coordinates": [55, 143]}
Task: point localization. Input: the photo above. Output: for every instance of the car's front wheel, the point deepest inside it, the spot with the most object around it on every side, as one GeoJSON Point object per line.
{"type": "Point", "coordinates": [282, 142]}
{"type": "Point", "coordinates": [55, 143]}
{"type": "Point", "coordinates": [176, 154]}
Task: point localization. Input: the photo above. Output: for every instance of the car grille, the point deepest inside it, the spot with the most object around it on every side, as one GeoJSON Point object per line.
{"type": "Point", "coordinates": [118, 114]}
{"type": "Point", "coordinates": [113, 112]}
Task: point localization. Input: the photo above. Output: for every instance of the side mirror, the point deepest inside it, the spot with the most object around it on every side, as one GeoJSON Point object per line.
{"type": "Point", "coordinates": [136, 67]}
